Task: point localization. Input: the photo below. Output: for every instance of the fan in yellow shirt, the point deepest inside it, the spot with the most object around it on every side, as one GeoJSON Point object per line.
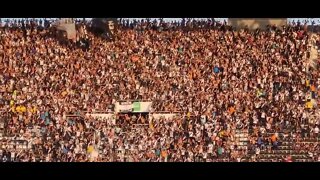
{"type": "Point", "coordinates": [14, 94]}
{"type": "Point", "coordinates": [34, 110]}
{"type": "Point", "coordinates": [90, 149]}
{"type": "Point", "coordinates": [64, 93]}
{"type": "Point", "coordinates": [221, 134]}
{"type": "Point", "coordinates": [24, 109]}
{"type": "Point", "coordinates": [151, 126]}
{"type": "Point", "coordinates": [18, 109]}
{"type": "Point", "coordinates": [21, 109]}
{"type": "Point", "coordinates": [258, 92]}
{"type": "Point", "coordinates": [11, 103]}
{"type": "Point", "coordinates": [13, 109]}
{"type": "Point", "coordinates": [307, 82]}
{"type": "Point", "coordinates": [189, 115]}
{"type": "Point", "coordinates": [309, 105]}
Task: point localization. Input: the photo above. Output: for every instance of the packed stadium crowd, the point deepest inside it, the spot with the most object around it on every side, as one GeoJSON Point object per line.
{"type": "Point", "coordinates": [237, 79]}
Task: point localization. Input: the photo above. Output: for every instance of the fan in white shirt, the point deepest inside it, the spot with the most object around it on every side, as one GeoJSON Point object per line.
{"type": "Point", "coordinates": [255, 120]}
{"type": "Point", "coordinates": [262, 130]}
{"type": "Point", "coordinates": [268, 126]}
{"type": "Point", "coordinates": [257, 151]}
{"type": "Point", "coordinates": [316, 130]}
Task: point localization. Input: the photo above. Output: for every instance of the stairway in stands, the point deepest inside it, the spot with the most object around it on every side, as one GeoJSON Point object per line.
{"type": "Point", "coordinates": [241, 138]}
{"type": "Point", "coordinates": [311, 65]}
{"type": "Point", "coordinates": [286, 148]}
{"type": "Point", "coordinates": [3, 123]}
{"type": "Point", "coordinates": [2, 127]}
{"type": "Point", "coordinates": [312, 61]}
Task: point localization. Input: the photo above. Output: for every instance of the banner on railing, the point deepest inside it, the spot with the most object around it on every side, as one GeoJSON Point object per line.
{"type": "Point", "coordinates": [67, 25]}
{"type": "Point", "coordinates": [133, 107]}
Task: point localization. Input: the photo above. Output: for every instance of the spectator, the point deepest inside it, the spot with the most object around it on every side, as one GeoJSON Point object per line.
{"type": "Point", "coordinates": [224, 80]}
